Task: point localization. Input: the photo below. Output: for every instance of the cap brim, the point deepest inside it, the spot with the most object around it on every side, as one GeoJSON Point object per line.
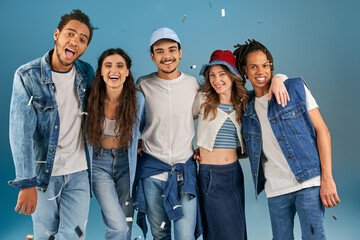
{"type": "Point", "coordinates": [219, 62]}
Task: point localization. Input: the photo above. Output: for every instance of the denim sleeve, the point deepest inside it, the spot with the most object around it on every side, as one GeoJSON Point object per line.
{"type": "Point", "coordinates": [23, 122]}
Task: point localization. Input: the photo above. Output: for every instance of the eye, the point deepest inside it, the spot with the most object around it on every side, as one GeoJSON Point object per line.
{"type": "Point", "coordinates": [70, 34]}
{"type": "Point", "coordinates": [266, 65]}
{"type": "Point", "coordinates": [160, 52]}
{"type": "Point", "coordinates": [107, 65]}
{"type": "Point", "coordinates": [82, 40]}
{"type": "Point", "coordinates": [252, 67]}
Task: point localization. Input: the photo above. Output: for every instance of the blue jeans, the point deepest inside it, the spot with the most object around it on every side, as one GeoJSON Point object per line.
{"type": "Point", "coordinates": [111, 185]}
{"type": "Point", "coordinates": [222, 201]}
{"type": "Point", "coordinates": [184, 228]}
{"type": "Point", "coordinates": [307, 204]}
{"type": "Point", "coordinates": [62, 211]}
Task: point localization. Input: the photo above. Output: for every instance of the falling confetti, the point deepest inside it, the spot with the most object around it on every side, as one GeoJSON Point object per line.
{"type": "Point", "coordinates": [78, 231]}
{"type": "Point", "coordinates": [29, 237]}
{"type": "Point", "coordinates": [210, 4]}
{"type": "Point", "coordinates": [312, 229]}
{"type": "Point", "coordinates": [223, 12]}
{"type": "Point", "coordinates": [259, 22]}
{"type": "Point", "coordinates": [334, 217]}
{"type": "Point", "coordinates": [193, 66]}
{"type": "Point", "coordinates": [162, 225]}
{"type": "Point", "coordinates": [184, 18]}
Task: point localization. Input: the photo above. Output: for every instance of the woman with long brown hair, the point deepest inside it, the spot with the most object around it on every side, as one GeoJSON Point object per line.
{"type": "Point", "coordinates": [219, 107]}
{"type": "Point", "coordinates": [116, 111]}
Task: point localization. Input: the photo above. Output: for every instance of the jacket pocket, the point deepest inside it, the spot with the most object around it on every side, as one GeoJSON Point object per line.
{"type": "Point", "coordinates": [44, 108]}
{"type": "Point", "coordinates": [293, 121]}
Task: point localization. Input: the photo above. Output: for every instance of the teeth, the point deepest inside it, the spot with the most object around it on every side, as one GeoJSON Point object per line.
{"type": "Point", "coordinates": [114, 77]}
{"type": "Point", "coordinates": [260, 79]}
{"type": "Point", "coordinates": [70, 50]}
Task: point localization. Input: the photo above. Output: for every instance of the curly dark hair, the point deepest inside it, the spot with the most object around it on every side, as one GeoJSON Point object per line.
{"type": "Point", "coordinates": [78, 15]}
{"type": "Point", "coordinates": [126, 111]}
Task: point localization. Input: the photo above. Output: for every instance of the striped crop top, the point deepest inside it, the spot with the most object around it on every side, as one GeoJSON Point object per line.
{"type": "Point", "coordinates": [227, 136]}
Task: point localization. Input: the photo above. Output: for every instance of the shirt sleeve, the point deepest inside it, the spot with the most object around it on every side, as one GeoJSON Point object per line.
{"type": "Point", "coordinates": [310, 100]}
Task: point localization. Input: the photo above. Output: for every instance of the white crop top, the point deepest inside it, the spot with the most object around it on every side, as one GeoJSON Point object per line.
{"type": "Point", "coordinates": [109, 127]}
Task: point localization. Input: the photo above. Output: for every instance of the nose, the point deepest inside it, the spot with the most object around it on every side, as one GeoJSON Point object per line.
{"type": "Point", "coordinates": [74, 41]}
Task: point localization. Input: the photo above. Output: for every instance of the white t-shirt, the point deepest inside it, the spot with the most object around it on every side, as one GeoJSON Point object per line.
{"type": "Point", "coordinates": [70, 156]}
{"type": "Point", "coordinates": [279, 177]}
{"type": "Point", "coordinates": [169, 126]}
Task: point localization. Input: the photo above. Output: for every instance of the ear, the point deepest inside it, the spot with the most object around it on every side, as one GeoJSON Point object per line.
{"type": "Point", "coordinates": [56, 34]}
{"type": "Point", "coordinates": [152, 57]}
{"type": "Point", "coordinates": [180, 51]}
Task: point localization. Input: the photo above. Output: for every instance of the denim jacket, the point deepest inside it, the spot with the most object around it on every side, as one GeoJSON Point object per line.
{"type": "Point", "coordinates": [149, 166]}
{"type": "Point", "coordinates": [293, 130]}
{"type": "Point", "coordinates": [34, 120]}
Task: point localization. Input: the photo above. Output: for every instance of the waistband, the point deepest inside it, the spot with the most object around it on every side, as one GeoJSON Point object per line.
{"type": "Point", "coordinates": [101, 150]}
{"type": "Point", "coordinates": [208, 167]}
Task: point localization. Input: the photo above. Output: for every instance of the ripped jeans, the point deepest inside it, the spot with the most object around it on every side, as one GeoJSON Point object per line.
{"type": "Point", "coordinates": [62, 211]}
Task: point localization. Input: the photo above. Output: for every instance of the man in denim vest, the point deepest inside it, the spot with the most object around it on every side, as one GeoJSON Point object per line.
{"type": "Point", "coordinates": [289, 149]}
{"type": "Point", "coordinates": [47, 110]}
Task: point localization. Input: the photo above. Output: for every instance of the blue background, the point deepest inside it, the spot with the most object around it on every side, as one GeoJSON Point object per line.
{"type": "Point", "coordinates": [315, 39]}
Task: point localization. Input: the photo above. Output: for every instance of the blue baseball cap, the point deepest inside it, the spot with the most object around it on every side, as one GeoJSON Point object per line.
{"type": "Point", "coordinates": [164, 33]}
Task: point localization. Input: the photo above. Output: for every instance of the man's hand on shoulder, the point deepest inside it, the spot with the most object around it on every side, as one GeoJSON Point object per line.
{"type": "Point", "coordinates": [27, 200]}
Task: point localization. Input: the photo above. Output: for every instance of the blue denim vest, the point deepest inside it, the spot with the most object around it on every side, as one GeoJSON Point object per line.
{"type": "Point", "coordinates": [293, 130]}
{"type": "Point", "coordinates": [34, 120]}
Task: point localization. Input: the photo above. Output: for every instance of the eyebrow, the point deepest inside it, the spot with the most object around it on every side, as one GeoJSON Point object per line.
{"type": "Point", "coordinates": [159, 49]}
{"type": "Point", "coordinates": [81, 34]}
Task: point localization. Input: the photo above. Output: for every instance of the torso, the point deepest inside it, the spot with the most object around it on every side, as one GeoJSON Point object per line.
{"type": "Point", "coordinates": [219, 156]}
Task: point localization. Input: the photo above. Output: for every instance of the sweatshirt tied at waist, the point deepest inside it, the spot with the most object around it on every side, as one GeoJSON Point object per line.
{"type": "Point", "coordinates": [150, 166]}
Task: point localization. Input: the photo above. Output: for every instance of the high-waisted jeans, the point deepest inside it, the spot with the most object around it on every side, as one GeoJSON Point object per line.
{"type": "Point", "coordinates": [111, 185]}
{"type": "Point", "coordinates": [222, 201]}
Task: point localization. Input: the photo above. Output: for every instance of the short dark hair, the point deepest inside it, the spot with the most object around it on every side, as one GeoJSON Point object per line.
{"type": "Point", "coordinates": [152, 46]}
{"type": "Point", "coordinates": [78, 15]}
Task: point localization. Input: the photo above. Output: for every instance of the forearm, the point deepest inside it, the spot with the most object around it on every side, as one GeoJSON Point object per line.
{"type": "Point", "coordinates": [324, 148]}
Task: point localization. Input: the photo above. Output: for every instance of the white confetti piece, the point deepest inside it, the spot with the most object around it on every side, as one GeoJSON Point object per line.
{"type": "Point", "coordinates": [223, 12]}
{"type": "Point", "coordinates": [162, 225]}
{"type": "Point", "coordinates": [193, 66]}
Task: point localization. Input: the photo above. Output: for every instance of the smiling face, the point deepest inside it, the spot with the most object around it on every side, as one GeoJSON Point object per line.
{"type": "Point", "coordinates": [258, 71]}
{"type": "Point", "coordinates": [221, 81]}
{"type": "Point", "coordinates": [167, 56]}
{"type": "Point", "coordinates": [114, 71]}
{"type": "Point", "coordinates": [70, 43]}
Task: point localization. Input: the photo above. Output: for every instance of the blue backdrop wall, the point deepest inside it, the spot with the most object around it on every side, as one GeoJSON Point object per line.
{"type": "Point", "coordinates": [315, 39]}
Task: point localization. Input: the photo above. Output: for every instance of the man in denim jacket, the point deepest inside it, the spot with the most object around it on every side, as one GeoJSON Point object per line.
{"type": "Point", "coordinates": [46, 115]}
{"type": "Point", "coordinates": [289, 149]}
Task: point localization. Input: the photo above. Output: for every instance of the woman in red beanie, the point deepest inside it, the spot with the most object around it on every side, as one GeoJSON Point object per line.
{"type": "Point", "coordinates": [219, 107]}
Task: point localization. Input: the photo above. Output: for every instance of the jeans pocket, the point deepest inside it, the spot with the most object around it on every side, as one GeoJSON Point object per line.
{"type": "Point", "coordinates": [205, 182]}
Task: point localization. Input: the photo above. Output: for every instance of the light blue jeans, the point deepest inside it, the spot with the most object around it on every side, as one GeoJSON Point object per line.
{"type": "Point", "coordinates": [184, 228]}
{"type": "Point", "coordinates": [62, 211]}
{"type": "Point", "coordinates": [307, 204]}
{"type": "Point", "coordinates": [111, 185]}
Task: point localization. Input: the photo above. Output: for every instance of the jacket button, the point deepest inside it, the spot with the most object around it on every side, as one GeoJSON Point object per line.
{"type": "Point", "coordinates": [254, 174]}
{"type": "Point", "coordinates": [56, 127]}
{"type": "Point", "coordinates": [42, 189]}
{"type": "Point", "coordinates": [293, 113]}
{"type": "Point", "coordinates": [50, 149]}
{"type": "Point", "coordinates": [273, 121]}
{"type": "Point", "coordinates": [280, 138]}
{"type": "Point", "coordinates": [47, 170]}
{"type": "Point", "coordinates": [256, 155]}
{"type": "Point", "coordinates": [300, 180]}
{"type": "Point", "coordinates": [290, 157]}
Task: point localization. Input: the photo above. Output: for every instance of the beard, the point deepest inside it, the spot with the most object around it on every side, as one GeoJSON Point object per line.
{"type": "Point", "coordinates": [168, 72]}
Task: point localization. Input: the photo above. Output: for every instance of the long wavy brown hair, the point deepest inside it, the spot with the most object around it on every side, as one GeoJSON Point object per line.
{"type": "Point", "coordinates": [126, 111]}
{"type": "Point", "coordinates": [239, 95]}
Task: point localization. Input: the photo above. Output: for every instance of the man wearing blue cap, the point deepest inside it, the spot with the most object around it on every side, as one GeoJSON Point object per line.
{"type": "Point", "coordinates": [167, 189]}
